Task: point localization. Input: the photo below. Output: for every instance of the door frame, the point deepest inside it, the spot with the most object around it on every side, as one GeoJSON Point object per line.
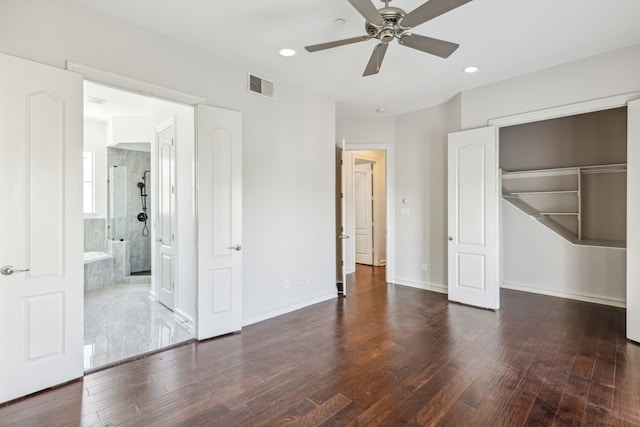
{"type": "Point", "coordinates": [389, 202]}
{"type": "Point", "coordinates": [141, 87]}
{"type": "Point", "coordinates": [582, 107]}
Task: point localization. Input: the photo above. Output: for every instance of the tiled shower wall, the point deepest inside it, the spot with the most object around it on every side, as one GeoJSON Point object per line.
{"type": "Point", "coordinates": [94, 234]}
{"type": "Point", "coordinates": [136, 162]}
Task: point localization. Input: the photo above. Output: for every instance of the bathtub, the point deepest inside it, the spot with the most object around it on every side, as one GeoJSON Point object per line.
{"type": "Point", "coordinates": [98, 271]}
{"type": "Point", "coordinates": [95, 256]}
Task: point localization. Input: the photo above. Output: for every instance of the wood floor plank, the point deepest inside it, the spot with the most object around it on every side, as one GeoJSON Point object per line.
{"type": "Point", "coordinates": [386, 355]}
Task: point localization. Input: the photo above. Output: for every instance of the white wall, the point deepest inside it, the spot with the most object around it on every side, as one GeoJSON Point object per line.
{"type": "Point", "coordinates": [421, 176]}
{"type": "Point", "coordinates": [95, 139]}
{"type": "Point", "coordinates": [288, 200]}
{"type": "Point", "coordinates": [366, 130]}
{"type": "Point", "coordinates": [419, 140]}
{"type": "Point", "coordinates": [600, 76]}
{"type": "Point", "coordinates": [535, 259]}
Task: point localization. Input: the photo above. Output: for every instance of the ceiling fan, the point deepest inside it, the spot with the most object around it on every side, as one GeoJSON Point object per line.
{"type": "Point", "coordinates": [389, 23]}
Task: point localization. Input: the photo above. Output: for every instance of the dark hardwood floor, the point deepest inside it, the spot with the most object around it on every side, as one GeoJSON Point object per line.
{"type": "Point", "coordinates": [386, 355]}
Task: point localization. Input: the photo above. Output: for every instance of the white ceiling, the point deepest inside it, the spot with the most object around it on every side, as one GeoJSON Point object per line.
{"type": "Point", "coordinates": [505, 38]}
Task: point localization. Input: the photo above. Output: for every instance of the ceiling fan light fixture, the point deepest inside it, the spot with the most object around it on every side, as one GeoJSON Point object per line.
{"type": "Point", "coordinates": [471, 69]}
{"type": "Point", "coordinates": [286, 52]}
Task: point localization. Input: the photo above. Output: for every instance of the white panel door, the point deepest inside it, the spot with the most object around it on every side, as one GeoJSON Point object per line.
{"type": "Point", "coordinates": [166, 228]}
{"type": "Point", "coordinates": [219, 139]}
{"type": "Point", "coordinates": [473, 218]}
{"type": "Point", "coordinates": [633, 221]}
{"type": "Point", "coordinates": [363, 212]}
{"type": "Point", "coordinates": [41, 310]}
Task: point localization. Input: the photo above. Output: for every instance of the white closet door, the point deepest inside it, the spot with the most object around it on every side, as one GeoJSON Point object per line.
{"type": "Point", "coordinates": [41, 310]}
{"type": "Point", "coordinates": [633, 222]}
{"type": "Point", "coordinates": [473, 218]}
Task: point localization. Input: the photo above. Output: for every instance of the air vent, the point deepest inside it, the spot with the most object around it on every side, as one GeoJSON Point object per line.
{"type": "Point", "coordinates": [261, 86]}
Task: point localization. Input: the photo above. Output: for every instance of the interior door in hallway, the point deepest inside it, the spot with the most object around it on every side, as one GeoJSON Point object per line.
{"type": "Point", "coordinates": [166, 228]}
{"type": "Point", "coordinates": [473, 218]}
{"type": "Point", "coordinates": [41, 285]}
{"type": "Point", "coordinates": [219, 184]}
{"type": "Point", "coordinates": [363, 211]}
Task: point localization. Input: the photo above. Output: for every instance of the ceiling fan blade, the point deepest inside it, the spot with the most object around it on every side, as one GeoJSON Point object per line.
{"type": "Point", "coordinates": [329, 45]}
{"type": "Point", "coordinates": [373, 67]}
{"type": "Point", "coordinates": [368, 10]}
{"type": "Point", "coordinates": [436, 47]}
{"type": "Point", "coordinates": [430, 10]}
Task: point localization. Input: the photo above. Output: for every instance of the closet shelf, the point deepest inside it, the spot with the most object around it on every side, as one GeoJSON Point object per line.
{"type": "Point", "coordinates": [526, 193]}
{"type": "Point", "coordinates": [559, 213]}
{"type": "Point", "coordinates": [534, 173]}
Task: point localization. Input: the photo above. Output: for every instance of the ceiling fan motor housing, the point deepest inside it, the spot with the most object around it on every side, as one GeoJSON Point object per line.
{"type": "Point", "coordinates": [392, 16]}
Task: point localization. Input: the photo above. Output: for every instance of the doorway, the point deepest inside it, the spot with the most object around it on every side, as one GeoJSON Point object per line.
{"type": "Point", "coordinates": [365, 179]}
{"type": "Point", "coordinates": [131, 229]}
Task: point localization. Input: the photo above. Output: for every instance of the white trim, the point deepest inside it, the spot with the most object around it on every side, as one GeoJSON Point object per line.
{"type": "Point", "coordinates": [596, 299]}
{"type": "Point", "coordinates": [288, 309]}
{"type": "Point", "coordinates": [390, 202]}
{"type": "Point", "coordinates": [565, 110]}
{"type": "Point", "coordinates": [184, 318]}
{"type": "Point", "coordinates": [420, 285]}
{"type": "Point", "coordinates": [141, 87]}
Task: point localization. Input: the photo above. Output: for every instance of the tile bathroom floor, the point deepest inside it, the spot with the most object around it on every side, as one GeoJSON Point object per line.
{"type": "Point", "coordinates": [122, 321]}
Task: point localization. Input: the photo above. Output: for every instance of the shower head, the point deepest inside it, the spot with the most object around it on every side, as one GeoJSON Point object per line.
{"type": "Point", "coordinates": [141, 185]}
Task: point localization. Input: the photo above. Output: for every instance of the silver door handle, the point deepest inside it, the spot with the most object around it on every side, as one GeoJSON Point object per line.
{"type": "Point", "coordinates": [8, 270]}
{"type": "Point", "coordinates": [343, 236]}
{"type": "Point", "coordinates": [235, 248]}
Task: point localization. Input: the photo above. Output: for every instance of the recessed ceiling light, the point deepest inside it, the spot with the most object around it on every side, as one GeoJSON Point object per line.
{"type": "Point", "coordinates": [287, 52]}
{"type": "Point", "coordinates": [471, 69]}
{"type": "Point", "coordinates": [380, 110]}
{"type": "Point", "coordinates": [339, 21]}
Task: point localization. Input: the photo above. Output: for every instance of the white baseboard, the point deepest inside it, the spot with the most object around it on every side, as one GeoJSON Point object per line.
{"type": "Point", "coordinates": [350, 271]}
{"type": "Point", "coordinates": [184, 317]}
{"type": "Point", "coordinates": [284, 310]}
{"type": "Point", "coordinates": [426, 286]}
{"type": "Point", "coordinates": [597, 299]}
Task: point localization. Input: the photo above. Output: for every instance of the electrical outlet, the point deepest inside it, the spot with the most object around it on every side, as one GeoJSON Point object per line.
{"type": "Point", "coordinates": [286, 284]}
{"type": "Point", "coordinates": [424, 266]}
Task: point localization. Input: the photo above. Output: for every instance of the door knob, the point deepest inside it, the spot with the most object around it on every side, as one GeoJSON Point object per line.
{"type": "Point", "coordinates": [235, 248]}
{"type": "Point", "coordinates": [451, 238]}
{"type": "Point", "coordinates": [343, 236]}
{"type": "Point", "coordinates": [8, 270]}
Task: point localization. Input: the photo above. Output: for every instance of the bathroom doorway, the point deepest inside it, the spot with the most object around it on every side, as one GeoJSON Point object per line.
{"type": "Point", "coordinates": [130, 200]}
